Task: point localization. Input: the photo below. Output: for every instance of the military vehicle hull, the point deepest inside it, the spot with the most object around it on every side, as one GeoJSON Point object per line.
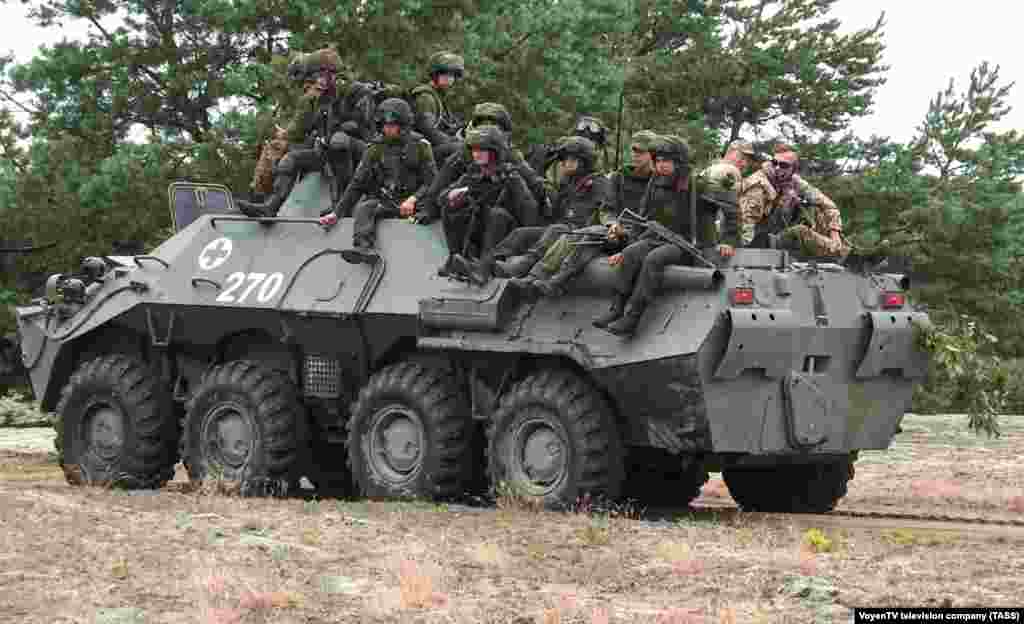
{"type": "Point", "coordinates": [810, 364]}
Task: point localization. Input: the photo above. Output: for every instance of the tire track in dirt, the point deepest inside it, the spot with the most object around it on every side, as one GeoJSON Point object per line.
{"type": "Point", "coordinates": [878, 520]}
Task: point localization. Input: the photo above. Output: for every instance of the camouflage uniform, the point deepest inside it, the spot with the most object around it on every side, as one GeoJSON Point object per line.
{"type": "Point", "coordinates": [815, 223]}
{"type": "Point", "coordinates": [433, 119]}
{"type": "Point", "coordinates": [334, 119]}
{"type": "Point", "coordinates": [718, 186]}
{"type": "Point", "coordinates": [487, 113]}
{"type": "Point", "coordinates": [644, 261]}
{"type": "Point", "coordinates": [271, 152]}
{"type": "Point", "coordinates": [392, 170]}
{"type": "Point", "coordinates": [496, 199]}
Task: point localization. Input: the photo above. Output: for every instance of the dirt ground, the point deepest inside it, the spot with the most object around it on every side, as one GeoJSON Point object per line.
{"type": "Point", "coordinates": [108, 557]}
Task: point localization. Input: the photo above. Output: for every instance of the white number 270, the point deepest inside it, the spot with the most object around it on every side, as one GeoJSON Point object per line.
{"type": "Point", "coordinates": [265, 286]}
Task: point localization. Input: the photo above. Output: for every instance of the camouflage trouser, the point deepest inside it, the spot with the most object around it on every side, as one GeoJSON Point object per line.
{"type": "Point", "coordinates": [814, 244]}
{"type": "Point", "coordinates": [273, 150]}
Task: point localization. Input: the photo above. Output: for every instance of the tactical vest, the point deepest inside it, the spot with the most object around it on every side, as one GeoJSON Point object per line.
{"type": "Point", "coordinates": [579, 199]}
{"type": "Point", "coordinates": [398, 166]}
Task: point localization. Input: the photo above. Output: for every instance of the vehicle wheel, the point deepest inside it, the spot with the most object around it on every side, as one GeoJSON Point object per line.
{"type": "Point", "coordinates": [797, 488]}
{"type": "Point", "coordinates": [116, 426]}
{"type": "Point", "coordinates": [245, 424]}
{"type": "Point", "coordinates": [410, 435]}
{"type": "Point", "coordinates": [553, 439]}
{"type": "Point", "coordinates": [656, 477]}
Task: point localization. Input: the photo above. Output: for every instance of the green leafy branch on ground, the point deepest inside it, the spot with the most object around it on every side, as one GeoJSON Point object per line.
{"type": "Point", "coordinates": [18, 410]}
{"type": "Point", "coordinates": [974, 379]}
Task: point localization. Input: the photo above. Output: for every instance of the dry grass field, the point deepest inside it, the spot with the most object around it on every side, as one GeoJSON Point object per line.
{"type": "Point", "coordinates": [182, 555]}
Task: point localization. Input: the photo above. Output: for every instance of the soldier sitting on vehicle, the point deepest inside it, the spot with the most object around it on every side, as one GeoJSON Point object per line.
{"type": "Point", "coordinates": [391, 178]}
{"type": "Point", "coordinates": [488, 201]}
{"type": "Point", "coordinates": [484, 114]}
{"type": "Point", "coordinates": [719, 184]}
{"type": "Point", "coordinates": [641, 265]}
{"type": "Point", "coordinates": [323, 131]}
{"type": "Point", "coordinates": [779, 209]}
{"type": "Point", "coordinates": [580, 202]}
{"type": "Point", "coordinates": [433, 119]}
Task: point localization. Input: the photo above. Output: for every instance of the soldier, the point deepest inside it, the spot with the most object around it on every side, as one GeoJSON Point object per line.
{"type": "Point", "coordinates": [544, 158]}
{"type": "Point", "coordinates": [484, 114]}
{"type": "Point", "coordinates": [551, 261]}
{"type": "Point", "coordinates": [642, 263]}
{"type": "Point", "coordinates": [719, 184]}
{"type": "Point", "coordinates": [778, 208]}
{"type": "Point", "coordinates": [321, 131]}
{"type": "Point", "coordinates": [579, 202]}
{"type": "Point", "coordinates": [390, 179]}
{"type": "Point", "coordinates": [489, 200]}
{"type": "Point", "coordinates": [433, 119]}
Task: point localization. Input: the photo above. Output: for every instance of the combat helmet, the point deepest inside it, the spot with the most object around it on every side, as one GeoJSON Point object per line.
{"type": "Point", "coordinates": [674, 148]}
{"type": "Point", "coordinates": [394, 110]}
{"type": "Point", "coordinates": [306, 66]}
{"type": "Point", "coordinates": [446, 63]}
{"type": "Point", "coordinates": [580, 148]}
{"type": "Point", "coordinates": [492, 113]}
{"type": "Point", "coordinates": [487, 137]}
{"type": "Point", "coordinates": [592, 128]}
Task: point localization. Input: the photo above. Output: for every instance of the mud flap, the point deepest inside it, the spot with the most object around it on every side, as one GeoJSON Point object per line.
{"type": "Point", "coordinates": [806, 411]}
{"type": "Point", "coordinates": [757, 339]}
{"type": "Point", "coordinates": [892, 346]}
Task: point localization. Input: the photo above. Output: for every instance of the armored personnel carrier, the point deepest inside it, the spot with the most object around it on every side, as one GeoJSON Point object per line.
{"type": "Point", "coordinates": [251, 351]}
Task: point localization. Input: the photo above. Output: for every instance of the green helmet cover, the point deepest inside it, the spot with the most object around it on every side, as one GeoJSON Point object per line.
{"type": "Point", "coordinates": [494, 114]}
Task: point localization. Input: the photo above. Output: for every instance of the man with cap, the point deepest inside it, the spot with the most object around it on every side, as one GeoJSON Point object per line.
{"type": "Point", "coordinates": [433, 119]}
{"type": "Point", "coordinates": [778, 208]}
{"type": "Point", "coordinates": [322, 130]}
{"type": "Point", "coordinates": [641, 265]}
{"type": "Point", "coordinates": [719, 184]}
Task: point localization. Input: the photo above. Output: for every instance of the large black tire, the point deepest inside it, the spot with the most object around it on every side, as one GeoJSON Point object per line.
{"type": "Point", "coordinates": [116, 425]}
{"type": "Point", "coordinates": [658, 478]}
{"type": "Point", "coordinates": [410, 435]}
{"type": "Point", "coordinates": [553, 440]}
{"type": "Point", "coordinates": [797, 488]}
{"type": "Point", "coordinates": [246, 424]}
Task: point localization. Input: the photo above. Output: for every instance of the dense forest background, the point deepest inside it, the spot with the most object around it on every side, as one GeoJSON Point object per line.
{"type": "Point", "coordinates": [92, 131]}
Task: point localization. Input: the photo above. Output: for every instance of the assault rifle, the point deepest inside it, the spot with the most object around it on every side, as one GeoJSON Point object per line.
{"type": "Point", "coordinates": [628, 217]}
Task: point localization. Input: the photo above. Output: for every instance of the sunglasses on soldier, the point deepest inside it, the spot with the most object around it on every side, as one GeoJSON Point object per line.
{"type": "Point", "coordinates": [588, 125]}
{"type": "Point", "coordinates": [485, 120]}
{"type": "Point", "coordinates": [782, 164]}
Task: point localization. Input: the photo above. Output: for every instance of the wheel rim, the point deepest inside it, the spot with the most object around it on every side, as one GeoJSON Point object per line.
{"type": "Point", "coordinates": [540, 456]}
{"type": "Point", "coordinates": [229, 435]}
{"type": "Point", "coordinates": [104, 429]}
{"type": "Point", "coordinates": [396, 443]}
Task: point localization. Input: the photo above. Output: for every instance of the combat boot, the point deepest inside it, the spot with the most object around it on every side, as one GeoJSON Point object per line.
{"type": "Point", "coordinates": [268, 208]}
{"type": "Point", "coordinates": [554, 286]}
{"type": "Point", "coordinates": [479, 272]}
{"type": "Point", "coordinates": [614, 313]}
{"type": "Point", "coordinates": [362, 252]}
{"type": "Point", "coordinates": [626, 326]}
{"type": "Point", "coordinates": [515, 267]}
